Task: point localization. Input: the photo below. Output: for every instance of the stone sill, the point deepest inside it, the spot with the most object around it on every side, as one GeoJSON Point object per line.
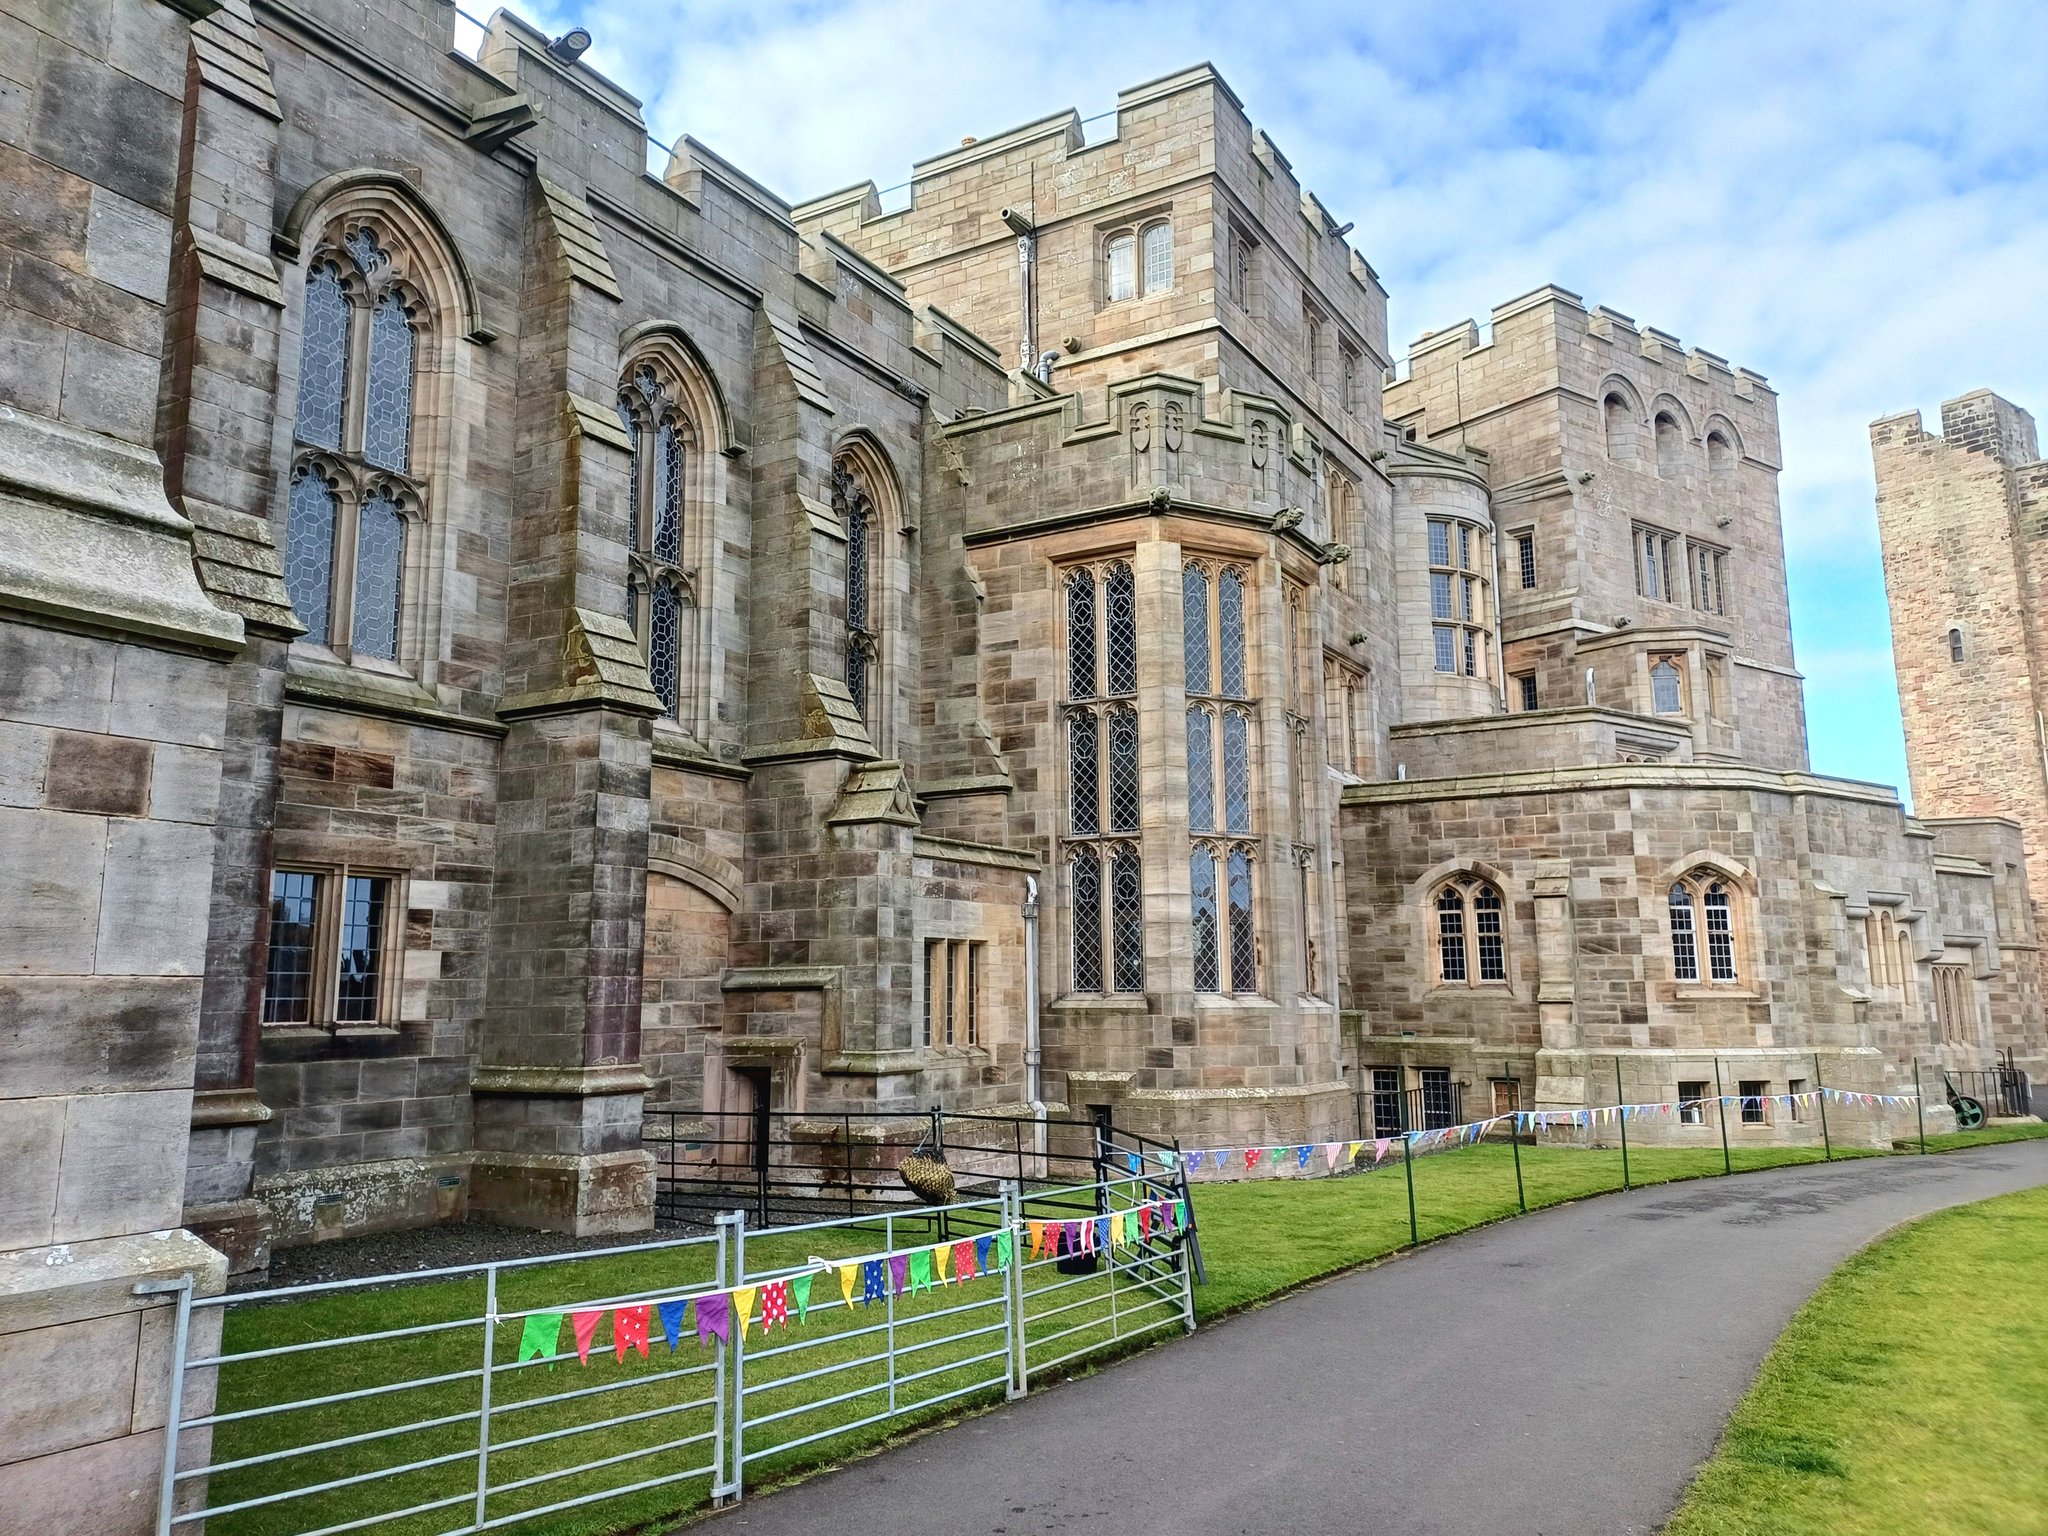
{"type": "Point", "coordinates": [325, 1032]}
{"type": "Point", "coordinates": [1707, 994]}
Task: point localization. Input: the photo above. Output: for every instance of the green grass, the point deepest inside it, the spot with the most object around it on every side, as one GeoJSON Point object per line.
{"type": "Point", "coordinates": [1260, 1238]}
{"type": "Point", "coordinates": [1909, 1397]}
{"type": "Point", "coordinates": [1983, 1136]}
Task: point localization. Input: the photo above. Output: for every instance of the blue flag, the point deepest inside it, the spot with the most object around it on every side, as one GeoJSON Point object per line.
{"type": "Point", "coordinates": [672, 1321]}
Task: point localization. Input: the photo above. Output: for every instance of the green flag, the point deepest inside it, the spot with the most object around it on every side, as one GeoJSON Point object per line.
{"type": "Point", "coordinates": [1003, 1245]}
{"type": "Point", "coordinates": [921, 1270]}
{"type": "Point", "coordinates": [800, 1288]}
{"type": "Point", "coordinates": [541, 1336]}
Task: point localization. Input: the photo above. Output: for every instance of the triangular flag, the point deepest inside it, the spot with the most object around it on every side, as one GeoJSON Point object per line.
{"type": "Point", "coordinates": [1222, 1157]}
{"type": "Point", "coordinates": [584, 1326]}
{"type": "Point", "coordinates": [1379, 1148]}
{"type": "Point", "coordinates": [714, 1316]}
{"type": "Point", "coordinates": [921, 1270]}
{"type": "Point", "coordinates": [1131, 1162]}
{"type": "Point", "coordinates": [1075, 1241]}
{"type": "Point", "coordinates": [629, 1331]}
{"type": "Point", "coordinates": [541, 1336]}
{"type": "Point", "coordinates": [774, 1304]}
{"type": "Point", "coordinates": [942, 1260]}
{"type": "Point", "coordinates": [1034, 1232]}
{"type": "Point", "coordinates": [1101, 1233]}
{"type": "Point", "coordinates": [1168, 1159]}
{"type": "Point", "coordinates": [1180, 1213]}
{"type": "Point", "coordinates": [1332, 1151]}
{"type": "Point", "coordinates": [849, 1277]}
{"type": "Point", "coordinates": [1251, 1157]}
{"type": "Point", "coordinates": [1003, 1249]}
{"type": "Point", "coordinates": [983, 1247]}
{"type": "Point", "coordinates": [964, 1267]}
{"type": "Point", "coordinates": [899, 1272]}
{"type": "Point", "coordinates": [1195, 1161]}
{"type": "Point", "coordinates": [874, 1285]}
{"type": "Point", "coordinates": [743, 1305]}
{"type": "Point", "coordinates": [800, 1289]}
{"type": "Point", "coordinates": [672, 1324]}
{"type": "Point", "coordinates": [1302, 1154]}
{"type": "Point", "coordinates": [1145, 1223]}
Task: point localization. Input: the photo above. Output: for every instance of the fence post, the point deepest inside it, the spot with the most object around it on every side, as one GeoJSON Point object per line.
{"type": "Point", "coordinates": [889, 1295]}
{"type": "Point", "coordinates": [846, 1150]}
{"type": "Point", "coordinates": [1919, 1107]}
{"type": "Point", "coordinates": [1015, 1281]}
{"type": "Point", "coordinates": [737, 1344]}
{"type": "Point", "coordinates": [1621, 1119]}
{"type": "Point", "coordinates": [1408, 1168]}
{"type": "Point", "coordinates": [483, 1423]}
{"type": "Point", "coordinates": [721, 1424]}
{"type": "Point", "coordinates": [1515, 1141]}
{"type": "Point", "coordinates": [1721, 1104]}
{"type": "Point", "coordinates": [174, 1412]}
{"type": "Point", "coordinates": [1191, 1240]}
{"type": "Point", "coordinates": [1013, 1322]}
{"type": "Point", "coordinates": [1827, 1145]}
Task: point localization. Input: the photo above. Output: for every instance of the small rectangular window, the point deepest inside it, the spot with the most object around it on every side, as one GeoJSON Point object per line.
{"type": "Point", "coordinates": [288, 977]}
{"type": "Point", "coordinates": [359, 979]}
{"type": "Point", "coordinates": [952, 989]}
{"type": "Point", "coordinates": [1439, 543]}
{"type": "Point", "coordinates": [974, 994]}
{"type": "Point", "coordinates": [931, 955]}
{"type": "Point", "coordinates": [1525, 558]}
{"type": "Point", "coordinates": [1954, 1006]}
{"type": "Point", "coordinates": [1471, 653]}
{"type": "Point", "coordinates": [1468, 606]}
{"type": "Point", "coordinates": [1657, 571]}
{"type": "Point", "coordinates": [1527, 684]}
{"type": "Point", "coordinates": [1690, 1111]}
{"type": "Point", "coordinates": [1349, 359]}
{"type": "Point", "coordinates": [329, 958]}
{"type": "Point", "coordinates": [1446, 649]}
{"type": "Point", "coordinates": [1440, 594]}
{"type": "Point", "coordinates": [1755, 1101]}
{"type": "Point", "coordinates": [1465, 547]}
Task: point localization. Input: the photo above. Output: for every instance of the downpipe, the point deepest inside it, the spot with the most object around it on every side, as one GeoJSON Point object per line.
{"type": "Point", "coordinates": [1034, 1087]}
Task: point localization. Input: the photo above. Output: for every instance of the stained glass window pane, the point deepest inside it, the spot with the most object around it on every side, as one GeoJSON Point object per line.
{"type": "Point", "coordinates": [1194, 627]}
{"type": "Point", "coordinates": [1450, 934]}
{"type": "Point", "coordinates": [1439, 543]}
{"type": "Point", "coordinates": [1664, 690]}
{"type": "Point", "coordinates": [380, 565]}
{"type": "Point", "coordinates": [288, 974]}
{"type": "Point", "coordinates": [630, 424]}
{"type": "Point", "coordinates": [1158, 258]}
{"type": "Point", "coordinates": [857, 567]}
{"type": "Point", "coordinates": [1208, 951]}
{"type": "Point", "coordinates": [1084, 791]}
{"type": "Point", "coordinates": [1201, 771]}
{"type": "Point", "coordinates": [369, 255]}
{"type": "Point", "coordinates": [359, 968]}
{"type": "Point", "coordinates": [1446, 648]}
{"type": "Point", "coordinates": [665, 643]}
{"type": "Point", "coordinates": [1121, 600]}
{"type": "Point", "coordinates": [1440, 594]}
{"type": "Point", "coordinates": [1081, 634]}
{"type": "Point", "coordinates": [387, 410]}
{"type": "Point", "coordinates": [309, 552]}
{"type": "Point", "coordinates": [1230, 629]}
{"type": "Point", "coordinates": [668, 499]}
{"type": "Point", "coordinates": [323, 358]}
{"type": "Point", "coordinates": [1244, 965]}
{"type": "Point", "coordinates": [1720, 936]}
{"type": "Point", "coordinates": [1123, 277]}
{"type": "Point", "coordinates": [1486, 924]}
{"type": "Point", "coordinates": [1685, 960]}
{"type": "Point", "coordinates": [1127, 921]}
{"type": "Point", "coordinates": [1237, 771]}
{"type": "Point", "coordinates": [1123, 771]}
{"type": "Point", "coordinates": [1087, 884]}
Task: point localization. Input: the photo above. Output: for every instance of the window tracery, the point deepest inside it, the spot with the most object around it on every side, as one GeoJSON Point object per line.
{"type": "Point", "coordinates": [661, 595]}
{"type": "Point", "coordinates": [1104, 788]}
{"type": "Point", "coordinates": [1470, 933]}
{"type": "Point", "coordinates": [1219, 735]}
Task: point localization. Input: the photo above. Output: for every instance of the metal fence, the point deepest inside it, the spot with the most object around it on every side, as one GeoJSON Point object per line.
{"type": "Point", "coordinates": [485, 1396]}
{"type": "Point", "coordinates": [1390, 1111]}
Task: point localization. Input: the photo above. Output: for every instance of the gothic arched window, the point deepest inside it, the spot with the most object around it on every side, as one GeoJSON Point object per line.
{"type": "Point", "coordinates": [1219, 738]}
{"type": "Point", "coordinates": [659, 593]}
{"type": "Point", "coordinates": [1702, 906]}
{"type": "Point", "coordinates": [1471, 939]}
{"type": "Point", "coordinates": [857, 501]}
{"type": "Point", "coordinates": [352, 497]}
{"type": "Point", "coordinates": [1104, 790]}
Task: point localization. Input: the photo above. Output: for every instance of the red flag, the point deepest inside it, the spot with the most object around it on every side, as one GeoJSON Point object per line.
{"type": "Point", "coordinates": [774, 1304]}
{"type": "Point", "coordinates": [585, 1324]}
{"type": "Point", "coordinates": [963, 1261]}
{"type": "Point", "coordinates": [1145, 1223]}
{"type": "Point", "coordinates": [629, 1328]}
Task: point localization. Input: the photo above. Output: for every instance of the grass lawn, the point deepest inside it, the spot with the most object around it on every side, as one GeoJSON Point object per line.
{"type": "Point", "coordinates": [1260, 1238]}
{"type": "Point", "coordinates": [1909, 1397]}
{"type": "Point", "coordinates": [1983, 1136]}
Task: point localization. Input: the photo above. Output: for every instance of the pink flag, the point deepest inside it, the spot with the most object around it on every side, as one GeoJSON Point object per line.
{"type": "Point", "coordinates": [1379, 1148]}
{"type": "Point", "coordinates": [1333, 1150]}
{"type": "Point", "coordinates": [585, 1324]}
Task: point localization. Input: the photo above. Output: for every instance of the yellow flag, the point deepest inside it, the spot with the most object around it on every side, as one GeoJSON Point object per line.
{"type": "Point", "coordinates": [1351, 1151]}
{"type": "Point", "coordinates": [743, 1305]}
{"type": "Point", "coordinates": [942, 1255]}
{"type": "Point", "coordinates": [1116, 1229]}
{"type": "Point", "coordinates": [849, 1277]}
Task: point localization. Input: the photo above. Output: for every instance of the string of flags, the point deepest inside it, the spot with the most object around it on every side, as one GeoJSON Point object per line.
{"type": "Point", "coordinates": [861, 1281]}
{"type": "Point", "coordinates": [1346, 1154]}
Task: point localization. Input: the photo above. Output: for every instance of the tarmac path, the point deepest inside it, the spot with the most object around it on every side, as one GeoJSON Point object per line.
{"type": "Point", "coordinates": [1565, 1372]}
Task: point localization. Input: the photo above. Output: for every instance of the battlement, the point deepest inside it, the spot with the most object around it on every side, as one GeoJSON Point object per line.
{"type": "Point", "coordinates": [1978, 422]}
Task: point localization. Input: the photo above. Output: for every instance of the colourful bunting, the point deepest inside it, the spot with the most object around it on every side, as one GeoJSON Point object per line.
{"type": "Point", "coordinates": [1101, 1233]}
{"type": "Point", "coordinates": [714, 1316]}
{"type": "Point", "coordinates": [920, 1270]}
{"type": "Point", "coordinates": [800, 1290]}
{"type": "Point", "coordinates": [541, 1337]}
{"type": "Point", "coordinates": [629, 1331]}
{"type": "Point", "coordinates": [1004, 1244]}
{"type": "Point", "coordinates": [983, 1247]}
{"type": "Point", "coordinates": [774, 1305]}
{"type": "Point", "coordinates": [1251, 1157]}
{"type": "Point", "coordinates": [849, 1277]}
{"type": "Point", "coordinates": [1035, 1232]}
{"type": "Point", "coordinates": [743, 1305]}
{"type": "Point", "coordinates": [1145, 1223]}
{"type": "Point", "coordinates": [899, 1273]}
{"type": "Point", "coordinates": [873, 1286]}
{"type": "Point", "coordinates": [1302, 1155]}
{"type": "Point", "coordinates": [672, 1325]}
{"type": "Point", "coordinates": [964, 1267]}
{"type": "Point", "coordinates": [942, 1260]}
{"type": "Point", "coordinates": [584, 1326]}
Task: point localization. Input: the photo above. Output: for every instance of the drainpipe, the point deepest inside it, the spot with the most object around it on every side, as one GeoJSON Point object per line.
{"type": "Point", "coordinates": [1034, 1093]}
{"type": "Point", "coordinates": [1027, 246]}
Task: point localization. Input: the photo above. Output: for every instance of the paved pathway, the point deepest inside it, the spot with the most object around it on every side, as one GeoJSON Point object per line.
{"type": "Point", "coordinates": [1562, 1373]}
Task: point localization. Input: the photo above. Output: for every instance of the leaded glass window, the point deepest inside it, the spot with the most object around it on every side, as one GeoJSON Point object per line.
{"type": "Point", "coordinates": [1237, 771]}
{"type": "Point", "coordinates": [288, 973]}
{"type": "Point", "coordinates": [1158, 243]}
{"type": "Point", "coordinates": [329, 959]}
{"type": "Point", "coordinates": [1685, 955]}
{"type": "Point", "coordinates": [360, 958]}
{"type": "Point", "coordinates": [665, 643]}
{"type": "Point", "coordinates": [1104, 793]}
{"type": "Point", "coordinates": [857, 635]}
{"type": "Point", "coordinates": [659, 593]}
{"type": "Point", "coordinates": [1458, 603]}
{"type": "Point", "coordinates": [1720, 935]}
{"type": "Point", "coordinates": [379, 576]}
{"type": "Point", "coordinates": [1244, 963]}
{"type": "Point", "coordinates": [1230, 633]}
{"type": "Point", "coordinates": [349, 498]}
{"type": "Point", "coordinates": [309, 548]}
{"type": "Point", "coordinates": [1702, 902]}
{"type": "Point", "coordinates": [1667, 696]}
{"type": "Point", "coordinates": [1194, 602]}
{"type": "Point", "coordinates": [1121, 259]}
{"type": "Point", "coordinates": [1207, 938]}
{"type": "Point", "coordinates": [1201, 769]}
{"type": "Point", "coordinates": [1470, 932]}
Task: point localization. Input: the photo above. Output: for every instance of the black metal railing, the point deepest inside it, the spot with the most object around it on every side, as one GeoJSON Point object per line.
{"type": "Point", "coordinates": [2003, 1090]}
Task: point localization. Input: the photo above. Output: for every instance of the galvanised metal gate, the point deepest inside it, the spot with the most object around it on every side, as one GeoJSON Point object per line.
{"type": "Point", "coordinates": [486, 1396]}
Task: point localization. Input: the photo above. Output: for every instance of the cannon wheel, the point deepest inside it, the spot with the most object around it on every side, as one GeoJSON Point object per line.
{"type": "Point", "coordinates": [1969, 1113]}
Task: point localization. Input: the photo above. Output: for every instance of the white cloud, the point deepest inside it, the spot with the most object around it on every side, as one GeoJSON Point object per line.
{"type": "Point", "coordinates": [1850, 198]}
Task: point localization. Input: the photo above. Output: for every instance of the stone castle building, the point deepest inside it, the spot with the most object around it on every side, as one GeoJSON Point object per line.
{"type": "Point", "coordinates": [493, 639]}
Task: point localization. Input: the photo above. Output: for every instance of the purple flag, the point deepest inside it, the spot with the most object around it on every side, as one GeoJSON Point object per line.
{"type": "Point", "coordinates": [714, 1315]}
{"type": "Point", "coordinates": [899, 1271]}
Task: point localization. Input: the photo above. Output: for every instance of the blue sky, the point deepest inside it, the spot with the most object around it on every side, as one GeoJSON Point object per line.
{"type": "Point", "coordinates": [1850, 198]}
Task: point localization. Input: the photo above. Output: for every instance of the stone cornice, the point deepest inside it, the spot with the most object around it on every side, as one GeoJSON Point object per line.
{"type": "Point", "coordinates": [1594, 777]}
